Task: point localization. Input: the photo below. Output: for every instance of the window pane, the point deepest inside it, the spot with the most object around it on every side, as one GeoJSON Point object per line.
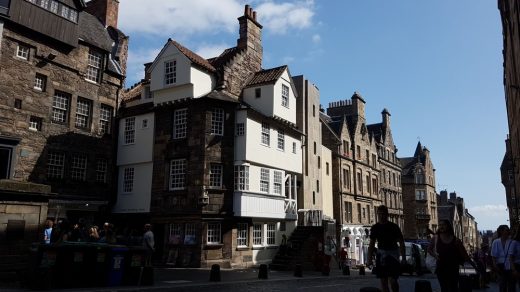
{"type": "Point", "coordinates": [215, 175]}
{"type": "Point", "coordinates": [217, 121]}
{"type": "Point", "coordinates": [180, 123]}
{"type": "Point", "coordinates": [177, 174]}
{"type": "Point", "coordinates": [129, 130]}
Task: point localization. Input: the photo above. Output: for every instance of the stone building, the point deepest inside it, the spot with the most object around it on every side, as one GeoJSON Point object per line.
{"type": "Point", "coordinates": [508, 181]}
{"type": "Point", "coordinates": [360, 153]}
{"type": "Point", "coordinates": [452, 208]}
{"type": "Point", "coordinates": [221, 139]}
{"type": "Point", "coordinates": [509, 12]}
{"type": "Point", "coordinates": [419, 196]}
{"type": "Point", "coordinates": [61, 71]}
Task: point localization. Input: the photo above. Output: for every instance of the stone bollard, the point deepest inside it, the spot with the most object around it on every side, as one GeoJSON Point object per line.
{"type": "Point", "coordinates": [361, 270]}
{"type": "Point", "coordinates": [262, 272]}
{"type": "Point", "coordinates": [214, 274]}
{"type": "Point", "coordinates": [346, 270]}
{"type": "Point", "coordinates": [298, 270]}
{"type": "Point", "coordinates": [369, 289]}
{"type": "Point", "coordinates": [423, 286]}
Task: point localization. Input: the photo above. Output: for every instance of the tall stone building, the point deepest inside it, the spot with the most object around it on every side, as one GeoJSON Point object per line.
{"type": "Point", "coordinates": [510, 15]}
{"type": "Point", "coordinates": [360, 153]}
{"type": "Point", "coordinates": [210, 152]}
{"type": "Point", "coordinates": [61, 72]}
{"type": "Point", "coordinates": [508, 181]}
{"type": "Point", "coordinates": [419, 196]}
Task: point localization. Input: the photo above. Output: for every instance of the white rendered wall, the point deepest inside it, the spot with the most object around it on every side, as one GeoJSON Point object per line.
{"type": "Point", "coordinates": [326, 182]}
{"type": "Point", "coordinates": [137, 201]}
{"type": "Point", "coordinates": [249, 204]}
{"type": "Point", "coordinates": [142, 148]}
{"type": "Point", "coordinates": [264, 254]}
{"type": "Point", "coordinates": [286, 113]}
{"type": "Point", "coordinates": [157, 70]}
{"type": "Point", "coordinates": [264, 103]}
{"type": "Point", "coordinates": [203, 83]}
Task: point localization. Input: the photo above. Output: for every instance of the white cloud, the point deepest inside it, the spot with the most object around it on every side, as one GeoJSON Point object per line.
{"type": "Point", "coordinates": [489, 216]}
{"type": "Point", "coordinates": [211, 50]}
{"type": "Point", "coordinates": [136, 61]}
{"type": "Point", "coordinates": [287, 59]}
{"type": "Point", "coordinates": [166, 17]}
{"type": "Point", "coordinates": [316, 38]}
{"type": "Point", "coordinates": [281, 17]}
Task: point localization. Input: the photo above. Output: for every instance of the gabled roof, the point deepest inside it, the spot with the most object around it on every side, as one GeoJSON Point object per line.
{"type": "Point", "coordinates": [376, 130]}
{"type": "Point", "coordinates": [193, 57]}
{"type": "Point", "coordinates": [267, 76]}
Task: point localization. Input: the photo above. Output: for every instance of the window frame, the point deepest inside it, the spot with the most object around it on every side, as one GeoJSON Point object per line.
{"type": "Point", "coordinates": [35, 123]}
{"type": "Point", "coordinates": [40, 82]}
{"type": "Point", "coordinates": [23, 52]}
{"type": "Point", "coordinates": [105, 119]}
{"type": "Point", "coordinates": [277, 182]}
{"type": "Point", "coordinates": [170, 72]}
{"type": "Point", "coordinates": [177, 176]}
{"type": "Point", "coordinates": [285, 96]}
{"type": "Point", "coordinates": [216, 172]}
{"type": "Point", "coordinates": [60, 107]}
{"type": "Point", "coordinates": [258, 234]}
{"type": "Point", "coordinates": [129, 131]}
{"type": "Point", "coordinates": [83, 117]}
{"type": "Point", "coordinates": [265, 134]}
{"type": "Point", "coordinates": [94, 66]}
{"type": "Point", "coordinates": [240, 129]}
{"type": "Point", "coordinates": [264, 180]}
{"type": "Point", "coordinates": [217, 122]}
{"type": "Point", "coordinates": [180, 123]}
{"type": "Point", "coordinates": [270, 234]}
{"type": "Point", "coordinates": [214, 234]}
{"type": "Point", "coordinates": [281, 140]}
{"type": "Point", "coordinates": [78, 167]}
{"type": "Point", "coordinates": [241, 177]}
{"type": "Point", "coordinates": [242, 234]}
{"type": "Point", "coordinates": [57, 167]}
{"type": "Point", "coordinates": [128, 180]}
{"type": "Point", "coordinates": [101, 170]}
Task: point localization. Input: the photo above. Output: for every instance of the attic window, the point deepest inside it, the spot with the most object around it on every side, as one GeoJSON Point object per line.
{"type": "Point", "coordinates": [285, 95]}
{"type": "Point", "coordinates": [170, 72]}
{"type": "Point", "coordinates": [258, 92]}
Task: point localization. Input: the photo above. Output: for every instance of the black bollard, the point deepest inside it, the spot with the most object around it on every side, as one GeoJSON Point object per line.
{"type": "Point", "coordinates": [369, 289]}
{"type": "Point", "coordinates": [423, 286]}
{"type": "Point", "coordinates": [298, 270]}
{"type": "Point", "coordinates": [346, 270]}
{"type": "Point", "coordinates": [214, 274]}
{"type": "Point", "coordinates": [361, 270]}
{"type": "Point", "coordinates": [262, 273]}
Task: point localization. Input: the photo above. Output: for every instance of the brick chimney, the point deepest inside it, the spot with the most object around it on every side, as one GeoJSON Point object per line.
{"type": "Point", "coordinates": [106, 10]}
{"type": "Point", "coordinates": [251, 35]}
{"type": "Point", "coordinates": [386, 117]}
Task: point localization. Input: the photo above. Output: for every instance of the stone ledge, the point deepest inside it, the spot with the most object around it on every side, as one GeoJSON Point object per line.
{"type": "Point", "coordinates": [26, 187]}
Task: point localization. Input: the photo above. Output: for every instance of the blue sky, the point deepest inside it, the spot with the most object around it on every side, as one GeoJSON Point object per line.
{"type": "Point", "coordinates": [435, 65]}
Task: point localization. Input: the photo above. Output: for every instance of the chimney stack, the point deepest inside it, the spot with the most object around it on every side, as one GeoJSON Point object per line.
{"type": "Point", "coordinates": [105, 10]}
{"type": "Point", "coordinates": [251, 35]}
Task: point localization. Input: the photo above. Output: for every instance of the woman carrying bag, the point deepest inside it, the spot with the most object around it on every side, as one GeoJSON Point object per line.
{"type": "Point", "coordinates": [450, 254]}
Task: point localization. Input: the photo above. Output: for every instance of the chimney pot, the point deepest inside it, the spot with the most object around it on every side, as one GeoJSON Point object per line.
{"type": "Point", "coordinates": [250, 12]}
{"type": "Point", "coordinates": [246, 9]}
{"type": "Point", "coordinates": [254, 15]}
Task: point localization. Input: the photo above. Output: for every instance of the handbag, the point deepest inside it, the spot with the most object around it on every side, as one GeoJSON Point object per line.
{"type": "Point", "coordinates": [431, 261]}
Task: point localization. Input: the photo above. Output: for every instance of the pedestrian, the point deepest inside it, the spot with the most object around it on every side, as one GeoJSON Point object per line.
{"type": "Point", "coordinates": [47, 232]}
{"type": "Point", "coordinates": [93, 235]}
{"type": "Point", "coordinates": [450, 254]}
{"type": "Point", "coordinates": [390, 244]}
{"type": "Point", "coordinates": [149, 244]}
{"type": "Point", "coordinates": [502, 250]}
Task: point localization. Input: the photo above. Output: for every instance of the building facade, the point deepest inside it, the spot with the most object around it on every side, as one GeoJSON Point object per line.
{"type": "Point", "coordinates": [62, 66]}
{"type": "Point", "coordinates": [419, 196]}
{"type": "Point", "coordinates": [509, 12]}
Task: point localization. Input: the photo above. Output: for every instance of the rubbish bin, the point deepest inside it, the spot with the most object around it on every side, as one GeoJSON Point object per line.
{"type": "Point", "coordinates": [116, 265]}
{"type": "Point", "coordinates": [70, 271]}
{"type": "Point", "coordinates": [134, 261]}
{"type": "Point", "coordinates": [95, 265]}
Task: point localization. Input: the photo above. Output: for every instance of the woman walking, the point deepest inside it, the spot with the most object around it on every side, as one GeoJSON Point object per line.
{"type": "Point", "coordinates": [450, 254]}
{"type": "Point", "coordinates": [502, 250]}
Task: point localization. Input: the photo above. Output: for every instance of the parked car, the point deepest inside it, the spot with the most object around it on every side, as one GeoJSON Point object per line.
{"type": "Point", "coordinates": [415, 259]}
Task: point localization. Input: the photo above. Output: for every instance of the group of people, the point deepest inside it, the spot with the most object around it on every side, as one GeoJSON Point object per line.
{"type": "Point", "coordinates": [79, 232]}
{"type": "Point", "coordinates": [391, 254]}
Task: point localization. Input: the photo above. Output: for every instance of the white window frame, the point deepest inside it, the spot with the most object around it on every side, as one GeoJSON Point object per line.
{"type": "Point", "coordinates": [23, 51]}
{"type": "Point", "coordinates": [94, 66]}
{"type": "Point", "coordinates": [129, 132]}
{"type": "Point", "coordinates": [64, 11]}
{"type": "Point", "coordinates": [190, 232]}
{"type": "Point", "coordinates": [40, 82]}
{"type": "Point", "coordinates": [240, 129]}
{"type": "Point", "coordinates": [177, 174]}
{"type": "Point", "coordinates": [170, 72]}
{"type": "Point", "coordinates": [294, 147]}
{"type": "Point", "coordinates": [266, 129]}
{"type": "Point", "coordinates": [78, 167]}
{"type": "Point", "coordinates": [54, 7]}
{"type": "Point", "coordinates": [44, 4]}
{"type": "Point", "coordinates": [270, 234]}
{"type": "Point", "coordinates": [242, 177]}
{"type": "Point", "coordinates": [105, 119]}
{"type": "Point", "coordinates": [257, 234]}
{"type": "Point", "coordinates": [60, 107]}
{"type": "Point", "coordinates": [264, 180]}
{"type": "Point", "coordinates": [83, 113]}
{"type": "Point", "coordinates": [285, 95]}
{"type": "Point", "coordinates": [128, 179]}
{"type": "Point", "coordinates": [242, 234]}
{"type": "Point", "coordinates": [214, 234]}
{"type": "Point", "coordinates": [180, 123]}
{"type": "Point", "coordinates": [101, 170]}
{"type": "Point", "coordinates": [217, 122]}
{"type": "Point", "coordinates": [277, 182]}
{"type": "Point", "coordinates": [175, 229]}
{"type": "Point", "coordinates": [55, 164]}
{"type": "Point", "coordinates": [216, 171]}
{"type": "Point", "coordinates": [35, 123]}
{"type": "Point", "coordinates": [281, 140]}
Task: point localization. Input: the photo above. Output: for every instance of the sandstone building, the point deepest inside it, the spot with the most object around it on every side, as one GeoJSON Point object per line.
{"type": "Point", "coordinates": [419, 196]}
{"type": "Point", "coordinates": [509, 12]}
{"type": "Point", "coordinates": [62, 66]}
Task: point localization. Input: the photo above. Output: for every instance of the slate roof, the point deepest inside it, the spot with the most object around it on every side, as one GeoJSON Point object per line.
{"type": "Point", "coordinates": [407, 164]}
{"type": "Point", "coordinates": [267, 76]}
{"type": "Point", "coordinates": [223, 58]}
{"type": "Point", "coordinates": [193, 56]}
{"type": "Point", "coordinates": [92, 31]}
{"type": "Point", "coordinates": [376, 130]}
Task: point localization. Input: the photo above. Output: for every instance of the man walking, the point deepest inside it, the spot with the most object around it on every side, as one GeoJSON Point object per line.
{"type": "Point", "coordinates": [387, 235]}
{"type": "Point", "coordinates": [149, 244]}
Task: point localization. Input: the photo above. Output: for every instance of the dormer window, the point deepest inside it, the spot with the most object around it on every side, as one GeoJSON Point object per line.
{"type": "Point", "coordinates": [285, 95]}
{"type": "Point", "coordinates": [170, 72]}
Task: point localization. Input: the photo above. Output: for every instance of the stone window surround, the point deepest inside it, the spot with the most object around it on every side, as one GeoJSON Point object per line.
{"type": "Point", "coordinates": [214, 233]}
{"type": "Point", "coordinates": [40, 82]}
{"type": "Point", "coordinates": [35, 123]}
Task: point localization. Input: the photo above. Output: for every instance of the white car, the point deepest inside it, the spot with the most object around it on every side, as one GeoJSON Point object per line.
{"type": "Point", "coordinates": [415, 260]}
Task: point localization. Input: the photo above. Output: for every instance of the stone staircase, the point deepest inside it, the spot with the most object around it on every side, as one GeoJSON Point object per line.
{"type": "Point", "coordinates": [301, 249]}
